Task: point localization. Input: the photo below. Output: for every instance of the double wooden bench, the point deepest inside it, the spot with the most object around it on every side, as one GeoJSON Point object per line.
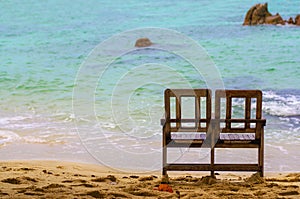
{"type": "Point", "coordinates": [237, 123]}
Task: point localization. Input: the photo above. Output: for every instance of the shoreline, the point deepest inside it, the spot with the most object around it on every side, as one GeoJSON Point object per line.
{"type": "Point", "coordinates": [278, 158]}
{"type": "Point", "coordinates": [61, 179]}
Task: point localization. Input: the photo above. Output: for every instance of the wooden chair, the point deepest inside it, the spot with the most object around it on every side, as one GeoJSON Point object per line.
{"type": "Point", "coordinates": [174, 125]}
{"type": "Point", "coordinates": [239, 126]}
{"type": "Point", "coordinates": [244, 129]}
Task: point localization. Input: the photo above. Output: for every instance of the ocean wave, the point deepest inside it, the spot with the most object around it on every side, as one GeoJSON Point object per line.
{"type": "Point", "coordinates": [283, 104]}
{"type": "Point", "coordinates": [8, 120]}
{"type": "Point", "coordinates": [7, 137]}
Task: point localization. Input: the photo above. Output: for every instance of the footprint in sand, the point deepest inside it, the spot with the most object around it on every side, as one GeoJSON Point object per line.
{"type": "Point", "coordinates": [53, 186]}
{"type": "Point", "coordinates": [19, 180]}
{"type": "Point", "coordinates": [3, 193]}
{"type": "Point", "coordinates": [11, 181]}
{"type": "Point", "coordinates": [74, 181]}
{"type": "Point", "coordinates": [26, 169]}
{"type": "Point", "coordinates": [84, 185]}
{"type": "Point", "coordinates": [146, 178]}
{"type": "Point", "coordinates": [95, 194]}
{"type": "Point", "coordinates": [33, 194]}
{"type": "Point", "coordinates": [109, 178]}
{"type": "Point", "coordinates": [289, 193]}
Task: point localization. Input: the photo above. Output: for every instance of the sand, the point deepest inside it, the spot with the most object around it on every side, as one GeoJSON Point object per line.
{"type": "Point", "coordinates": [55, 179]}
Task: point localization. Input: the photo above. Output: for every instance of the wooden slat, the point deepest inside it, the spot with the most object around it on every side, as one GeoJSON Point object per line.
{"type": "Point", "coordinates": [259, 105]}
{"type": "Point", "coordinates": [236, 136]}
{"type": "Point", "coordinates": [197, 112]}
{"type": "Point", "coordinates": [224, 136]}
{"type": "Point", "coordinates": [243, 120]}
{"type": "Point", "coordinates": [167, 105]}
{"type": "Point", "coordinates": [236, 167]}
{"type": "Point", "coordinates": [218, 105]}
{"type": "Point", "coordinates": [243, 137]}
{"type": "Point", "coordinates": [187, 120]}
{"type": "Point", "coordinates": [188, 167]}
{"type": "Point", "coordinates": [186, 144]}
{"type": "Point", "coordinates": [228, 111]}
{"type": "Point", "coordinates": [248, 137]}
{"type": "Point", "coordinates": [208, 105]}
{"type": "Point", "coordinates": [207, 167]}
{"type": "Point", "coordinates": [188, 92]}
{"type": "Point", "coordinates": [237, 144]}
{"type": "Point", "coordinates": [237, 130]}
{"type": "Point", "coordinates": [187, 129]}
{"type": "Point", "coordinates": [178, 111]}
{"type": "Point", "coordinates": [231, 137]}
{"type": "Point", "coordinates": [247, 111]}
{"type": "Point", "coordinates": [186, 136]}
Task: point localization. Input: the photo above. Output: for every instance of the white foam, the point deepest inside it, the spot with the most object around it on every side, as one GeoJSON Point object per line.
{"type": "Point", "coordinates": [8, 137]}
{"type": "Point", "coordinates": [31, 139]}
{"type": "Point", "coordinates": [7, 120]}
{"type": "Point", "coordinates": [277, 105]}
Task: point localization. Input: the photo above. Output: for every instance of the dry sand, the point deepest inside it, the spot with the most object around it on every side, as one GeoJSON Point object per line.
{"type": "Point", "coordinates": [53, 179]}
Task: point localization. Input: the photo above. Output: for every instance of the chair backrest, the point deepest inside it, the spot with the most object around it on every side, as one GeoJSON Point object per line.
{"type": "Point", "coordinates": [238, 110]}
{"type": "Point", "coordinates": [199, 115]}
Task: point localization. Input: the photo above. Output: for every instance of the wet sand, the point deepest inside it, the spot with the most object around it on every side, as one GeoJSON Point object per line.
{"type": "Point", "coordinates": [56, 179]}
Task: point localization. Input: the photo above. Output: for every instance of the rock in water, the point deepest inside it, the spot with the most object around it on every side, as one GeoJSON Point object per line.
{"type": "Point", "coordinates": [297, 20]}
{"type": "Point", "coordinates": [257, 14]}
{"type": "Point", "coordinates": [143, 42]}
{"type": "Point", "coordinates": [275, 19]}
{"type": "Point", "coordinates": [291, 21]}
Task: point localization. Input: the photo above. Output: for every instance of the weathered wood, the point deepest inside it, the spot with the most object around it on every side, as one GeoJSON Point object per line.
{"type": "Point", "coordinates": [208, 167]}
{"type": "Point", "coordinates": [246, 132]}
{"type": "Point", "coordinates": [167, 121]}
{"type": "Point", "coordinates": [188, 167]}
{"type": "Point", "coordinates": [236, 167]}
{"type": "Point", "coordinates": [239, 137]}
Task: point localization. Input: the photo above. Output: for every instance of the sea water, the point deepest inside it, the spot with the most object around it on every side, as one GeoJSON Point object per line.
{"type": "Point", "coordinates": [43, 44]}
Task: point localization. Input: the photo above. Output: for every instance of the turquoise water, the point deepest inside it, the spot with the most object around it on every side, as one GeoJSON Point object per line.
{"type": "Point", "coordinates": [43, 45]}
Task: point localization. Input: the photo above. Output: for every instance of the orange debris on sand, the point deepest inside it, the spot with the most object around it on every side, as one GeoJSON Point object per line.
{"type": "Point", "coordinates": [165, 187]}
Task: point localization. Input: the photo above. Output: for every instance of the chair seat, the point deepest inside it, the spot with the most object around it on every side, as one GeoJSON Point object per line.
{"type": "Point", "coordinates": [197, 140]}
{"type": "Point", "coordinates": [188, 137]}
{"type": "Point", "coordinates": [237, 136]}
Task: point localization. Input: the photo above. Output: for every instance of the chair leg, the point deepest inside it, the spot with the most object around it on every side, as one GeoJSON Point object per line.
{"type": "Point", "coordinates": [212, 162]}
{"type": "Point", "coordinates": [261, 154]}
{"type": "Point", "coordinates": [164, 162]}
{"type": "Point", "coordinates": [164, 172]}
{"type": "Point", "coordinates": [261, 160]}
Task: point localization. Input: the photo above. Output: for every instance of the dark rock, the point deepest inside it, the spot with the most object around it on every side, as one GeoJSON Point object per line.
{"type": "Point", "coordinates": [291, 21]}
{"type": "Point", "coordinates": [297, 20]}
{"type": "Point", "coordinates": [275, 19]}
{"type": "Point", "coordinates": [143, 42]}
{"type": "Point", "coordinates": [257, 14]}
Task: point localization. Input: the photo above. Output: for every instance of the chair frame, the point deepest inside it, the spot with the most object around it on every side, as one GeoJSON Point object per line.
{"type": "Point", "coordinates": [217, 132]}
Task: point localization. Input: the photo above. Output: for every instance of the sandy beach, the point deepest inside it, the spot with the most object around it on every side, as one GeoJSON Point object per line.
{"type": "Point", "coordinates": [56, 179]}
